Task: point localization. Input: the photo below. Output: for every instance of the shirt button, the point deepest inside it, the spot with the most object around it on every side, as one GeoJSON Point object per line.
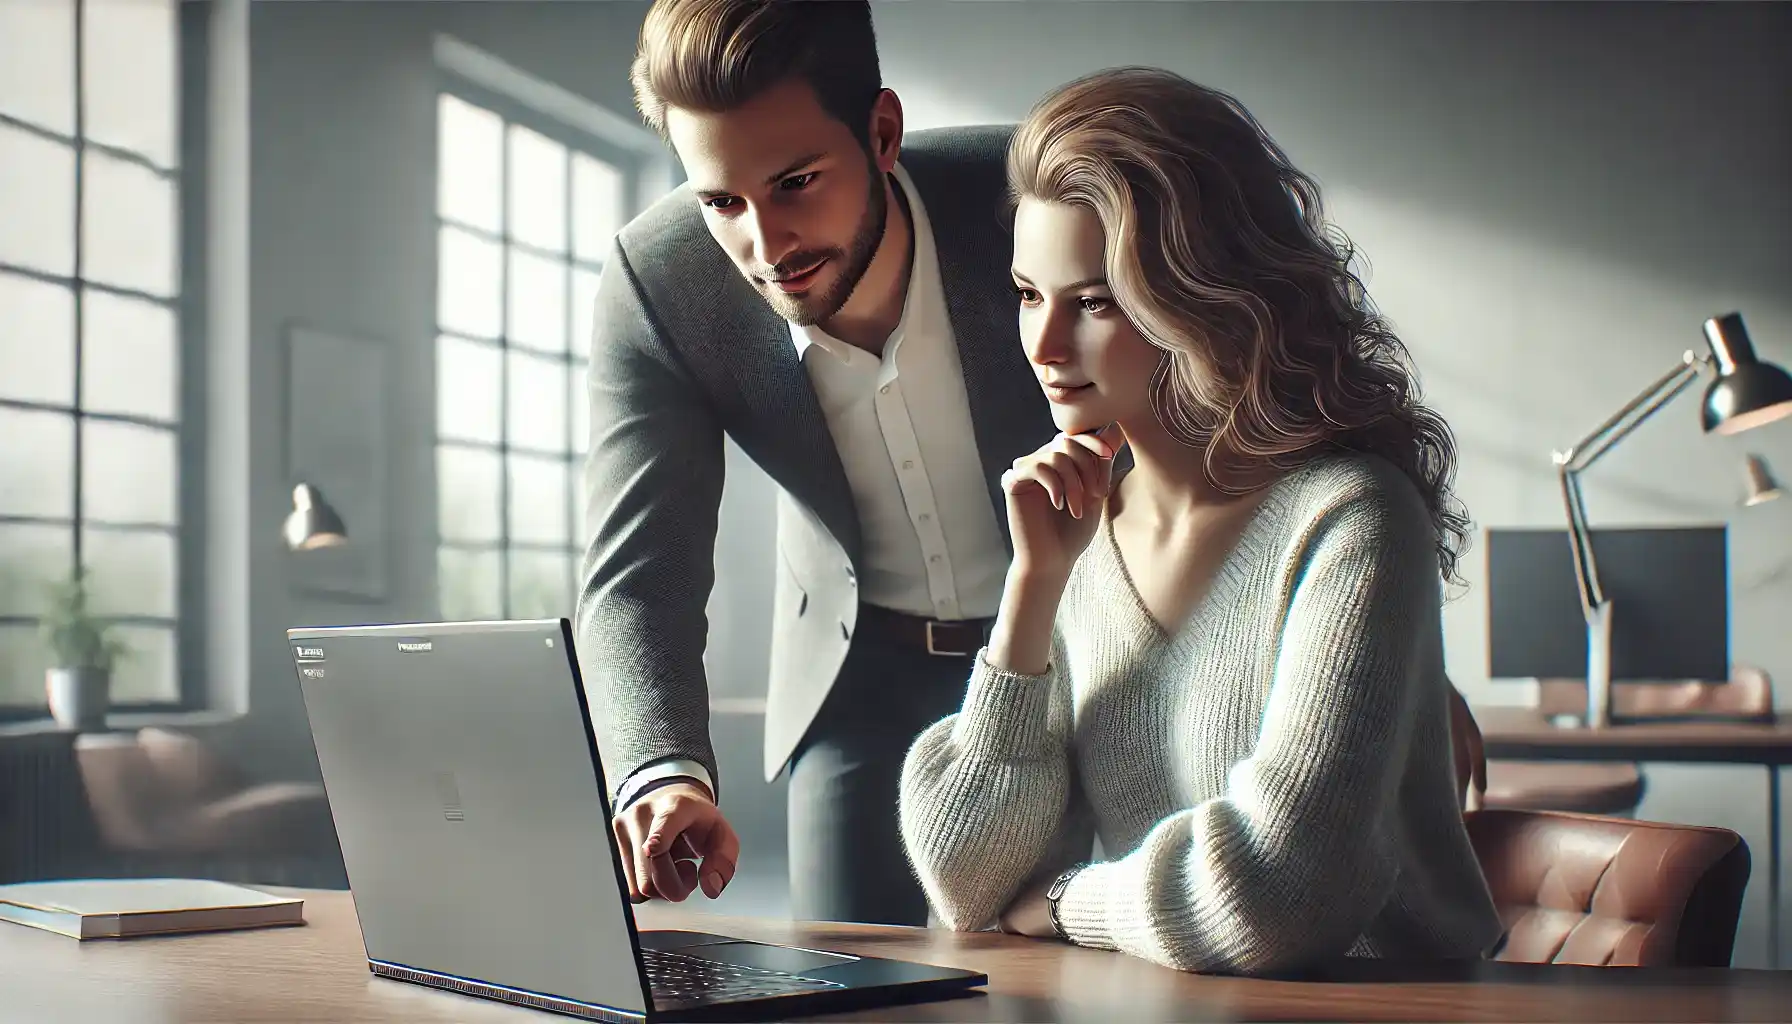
{"type": "Point", "coordinates": [927, 517]}
{"type": "Point", "coordinates": [933, 558]}
{"type": "Point", "coordinates": [884, 390]}
{"type": "Point", "coordinates": [908, 463]}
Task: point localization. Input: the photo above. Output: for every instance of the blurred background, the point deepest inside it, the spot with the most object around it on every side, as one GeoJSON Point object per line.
{"type": "Point", "coordinates": [259, 253]}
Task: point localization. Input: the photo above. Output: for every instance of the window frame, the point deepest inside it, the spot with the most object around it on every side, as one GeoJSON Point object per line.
{"type": "Point", "coordinates": [188, 303]}
{"type": "Point", "coordinates": [635, 168]}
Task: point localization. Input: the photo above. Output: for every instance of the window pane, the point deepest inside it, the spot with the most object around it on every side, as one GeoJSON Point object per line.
{"type": "Point", "coordinates": [581, 409]}
{"type": "Point", "coordinates": [130, 357]}
{"type": "Point", "coordinates": [148, 672]}
{"type": "Point", "coordinates": [469, 383]}
{"type": "Point", "coordinates": [128, 225]}
{"type": "Point", "coordinates": [537, 402]}
{"type": "Point", "coordinates": [537, 190]}
{"type": "Point", "coordinates": [469, 288]}
{"type": "Point", "coordinates": [37, 341]}
{"type": "Point", "coordinates": [37, 202]}
{"type": "Point", "coordinates": [31, 558]}
{"type": "Point", "coordinates": [37, 63]}
{"type": "Point", "coordinates": [537, 302]}
{"type": "Point", "coordinates": [597, 198]}
{"type": "Point", "coordinates": [467, 584]}
{"type": "Point", "coordinates": [23, 662]}
{"type": "Point", "coordinates": [584, 310]}
{"type": "Point", "coordinates": [538, 501]}
{"type": "Point", "coordinates": [131, 75]}
{"type": "Point", "coordinates": [540, 585]}
{"type": "Point", "coordinates": [37, 463]}
{"type": "Point", "coordinates": [467, 494]}
{"type": "Point", "coordinates": [128, 473]}
{"type": "Point", "coordinates": [134, 572]}
{"type": "Point", "coordinates": [470, 167]}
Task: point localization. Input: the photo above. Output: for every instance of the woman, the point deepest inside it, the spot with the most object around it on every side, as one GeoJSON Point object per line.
{"type": "Point", "coordinates": [1227, 662]}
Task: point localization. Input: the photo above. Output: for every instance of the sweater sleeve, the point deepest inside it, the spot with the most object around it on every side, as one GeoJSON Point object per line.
{"type": "Point", "coordinates": [1287, 864]}
{"type": "Point", "coordinates": [984, 792]}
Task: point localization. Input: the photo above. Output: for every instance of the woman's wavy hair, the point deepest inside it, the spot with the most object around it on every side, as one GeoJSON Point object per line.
{"type": "Point", "coordinates": [1218, 253]}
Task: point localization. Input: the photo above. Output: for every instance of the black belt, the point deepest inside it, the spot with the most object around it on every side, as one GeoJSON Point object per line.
{"type": "Point", "coordinates": [953, 638]}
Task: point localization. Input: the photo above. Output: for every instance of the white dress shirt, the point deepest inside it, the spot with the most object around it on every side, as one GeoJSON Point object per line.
{"type": "Point", "coordinates": [902, 424]}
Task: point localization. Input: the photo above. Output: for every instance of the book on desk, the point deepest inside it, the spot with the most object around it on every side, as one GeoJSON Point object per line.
{"type": "Point", "coordinates": [119, 908]}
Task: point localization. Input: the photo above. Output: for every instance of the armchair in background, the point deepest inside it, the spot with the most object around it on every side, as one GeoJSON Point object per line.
{"type": "Point", "coordinates": [164, 802]}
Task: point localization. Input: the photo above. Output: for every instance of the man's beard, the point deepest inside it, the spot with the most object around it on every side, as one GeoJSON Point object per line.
{"type": "Point", "coordinates": [807, 310]}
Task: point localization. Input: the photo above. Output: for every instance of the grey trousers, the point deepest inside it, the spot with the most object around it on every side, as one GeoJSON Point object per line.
{"type": "Point", "coordinates": [846, 857]}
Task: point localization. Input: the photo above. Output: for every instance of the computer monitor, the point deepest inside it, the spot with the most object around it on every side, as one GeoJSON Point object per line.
{"type": "Point", "coordinates": [1670, 594]}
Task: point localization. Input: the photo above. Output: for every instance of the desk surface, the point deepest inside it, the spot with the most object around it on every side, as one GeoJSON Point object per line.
{"type": "Point", "coordinates": [317, 972]}
{"type": "Point", "coordinates": [1524, 734]}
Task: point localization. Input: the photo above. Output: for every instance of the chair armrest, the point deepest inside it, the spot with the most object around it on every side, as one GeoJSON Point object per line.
{"type": "Point", "coordinates": [273, 817]}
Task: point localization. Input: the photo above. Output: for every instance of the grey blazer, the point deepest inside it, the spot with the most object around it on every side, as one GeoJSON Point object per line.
{"type": "Point", "coordinates": [685, 350]}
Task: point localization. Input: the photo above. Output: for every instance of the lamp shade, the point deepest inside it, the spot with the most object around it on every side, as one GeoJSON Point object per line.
{"type": "Point", "coordinates": [1761, 484]}
{"type": "Point", "coordinates": [1747, 393]}
{"type": "Point", "coordinates": [312, 523]}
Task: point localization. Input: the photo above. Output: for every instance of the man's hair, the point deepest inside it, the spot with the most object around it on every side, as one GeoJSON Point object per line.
{"type": "Point", "coordinates": [715, 55]}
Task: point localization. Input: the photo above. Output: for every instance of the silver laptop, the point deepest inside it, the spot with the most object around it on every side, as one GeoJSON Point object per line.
{"type": "Point", "coordinates": [470, 803]}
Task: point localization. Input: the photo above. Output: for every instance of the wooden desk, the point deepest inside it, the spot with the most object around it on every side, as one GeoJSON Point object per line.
{"type": "Point", "coordinates": [1523, 734]}
{"type": "Point", "coordinates": [318, 973]}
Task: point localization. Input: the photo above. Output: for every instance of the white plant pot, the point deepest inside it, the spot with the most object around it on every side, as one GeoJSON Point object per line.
{"type": "Point", "coordinates": [79, 697]}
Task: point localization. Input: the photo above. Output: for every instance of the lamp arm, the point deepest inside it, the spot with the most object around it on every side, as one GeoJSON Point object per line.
{"type": "Point", "coordinates": [1647, 403]}
{"type": "Point", "coordinates": [1591, 448]}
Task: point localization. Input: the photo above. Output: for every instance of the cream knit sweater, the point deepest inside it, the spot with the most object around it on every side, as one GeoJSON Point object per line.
{"type": "Point", "coordinates": [1270, 785]}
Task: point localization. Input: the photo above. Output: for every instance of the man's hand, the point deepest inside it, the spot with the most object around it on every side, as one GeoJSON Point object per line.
{"type": "Point", "coordinates": [674, 839]}
{"type": "Point", "coordinates": [1029, 914]}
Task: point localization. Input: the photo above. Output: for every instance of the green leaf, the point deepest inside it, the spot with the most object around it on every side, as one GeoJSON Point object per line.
{"type": "Point", "coordinates": [76, 637]}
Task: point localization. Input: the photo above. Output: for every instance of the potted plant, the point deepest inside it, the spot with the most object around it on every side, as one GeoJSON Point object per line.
{"type": "Point", "coordinates": [83, 652]}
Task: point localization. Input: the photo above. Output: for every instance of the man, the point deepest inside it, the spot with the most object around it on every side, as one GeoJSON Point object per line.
{"type": "Point", "coordinates": [849, 320]}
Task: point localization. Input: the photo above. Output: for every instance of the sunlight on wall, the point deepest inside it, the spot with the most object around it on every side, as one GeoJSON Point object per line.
{"type": "Point", "coordinates": [1525, 348]}
{"type": "Point", "coordinates": [923, 107]}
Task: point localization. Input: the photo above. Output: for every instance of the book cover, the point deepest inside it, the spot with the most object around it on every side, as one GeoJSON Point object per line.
{"type": "Point", "coordinates": [116, 908]}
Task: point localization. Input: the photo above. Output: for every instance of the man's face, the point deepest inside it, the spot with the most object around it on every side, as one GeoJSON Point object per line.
{"type": "Point", "coordinates": [789, 194]}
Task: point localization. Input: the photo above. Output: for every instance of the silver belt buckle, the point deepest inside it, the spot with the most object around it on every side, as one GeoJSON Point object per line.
{"type": "Point", "coordinates": [931, 649]}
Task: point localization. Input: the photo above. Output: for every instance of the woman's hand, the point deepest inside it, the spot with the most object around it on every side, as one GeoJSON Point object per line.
{"type": "Point", "coordinates": [1055, 499]}
{"type": "Point", "coordinates": [1029, 914]}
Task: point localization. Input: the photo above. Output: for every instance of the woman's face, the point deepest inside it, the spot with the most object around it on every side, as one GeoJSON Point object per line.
{"type": "Point", "coordinates": [1093, 364]}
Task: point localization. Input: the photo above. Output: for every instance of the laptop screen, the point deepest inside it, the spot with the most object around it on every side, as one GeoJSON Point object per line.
{"type": "Point", "coordinates": [469, 804]}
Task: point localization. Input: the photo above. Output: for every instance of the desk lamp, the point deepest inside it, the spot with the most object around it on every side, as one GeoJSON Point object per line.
{"type": "Point", "coordinates": [312, 523]}
{"type": "Point", "coordinates": [1745, 394]}
{"type": "Point", "coordinates": [1761, 484]}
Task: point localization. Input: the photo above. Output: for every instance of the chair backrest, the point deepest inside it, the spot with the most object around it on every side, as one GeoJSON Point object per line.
{"type": "Point", "coordinates": [1747, 696]}
{"type": "Point", "coordinates": [1587, 889]}
{"type": "Point", "coordinates": [139, 783]}
{"type": "Point", "coordinates": [1611, 892]}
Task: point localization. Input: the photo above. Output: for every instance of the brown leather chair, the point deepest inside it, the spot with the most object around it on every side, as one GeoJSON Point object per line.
{"type": "Point", "coordinates": [162, 792]}
{"type": "Point", "coordinates": [1585, 889]}
{"type": "Point", "coordinates": [1616, 787]}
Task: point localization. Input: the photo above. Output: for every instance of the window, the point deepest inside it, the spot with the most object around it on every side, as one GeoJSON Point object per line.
{"type": "Point", "coordinates": [527, 209]}
{"type": "Point", "coordinates": [91, 334]}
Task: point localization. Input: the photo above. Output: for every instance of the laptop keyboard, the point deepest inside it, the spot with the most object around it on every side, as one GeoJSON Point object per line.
{"type": "Point", "coordinates": [679, 981]}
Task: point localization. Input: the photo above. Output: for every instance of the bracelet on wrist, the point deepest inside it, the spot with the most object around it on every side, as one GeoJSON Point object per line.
{"type": "Point", "coordinates": [1054, 893]}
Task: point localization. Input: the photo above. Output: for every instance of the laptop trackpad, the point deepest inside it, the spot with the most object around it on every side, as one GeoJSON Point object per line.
{"type": "Point", "coordinates": [767, 958]}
